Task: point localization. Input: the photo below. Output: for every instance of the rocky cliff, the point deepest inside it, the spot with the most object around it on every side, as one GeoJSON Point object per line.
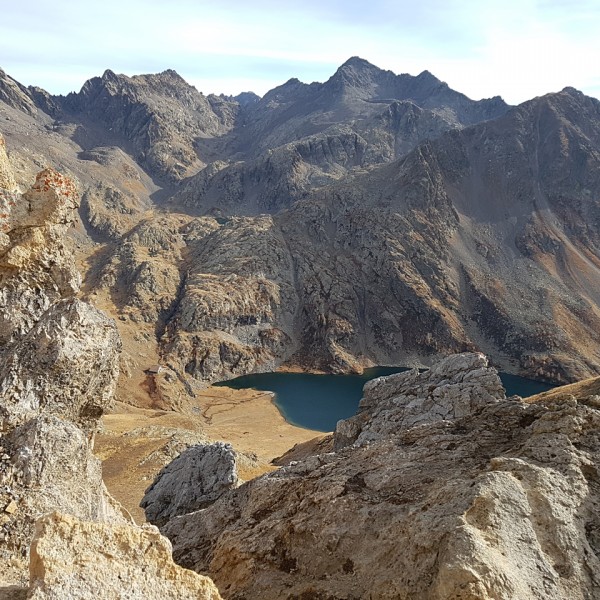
{"type": "Point", "coordinates": [59, 365]}
{"type": "Point", "coordinates": [482, 238]}
{"type": "Point", "coordinates": [161, 116]}
{"type": "Point", "coordinates": [198, 476]}
{"type": "Point", "coordinates": [440, 488]}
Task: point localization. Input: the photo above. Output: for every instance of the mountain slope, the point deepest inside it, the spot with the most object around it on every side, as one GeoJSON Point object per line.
{"type": "Point", "coordinates": [482, 237]}
{"type": "Point", "coordinates": [485, 238]}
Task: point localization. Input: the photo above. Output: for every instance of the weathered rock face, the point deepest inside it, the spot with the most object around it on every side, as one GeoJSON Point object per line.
{"type": "Point", "coordinates": [59, 355]}
{"type": "Point", "coordinates": [195, 479]}
{"type": "Point", "coordinates": [49, 466]}
{"type": "Point", "coordinates": [280, 176]}
{"type": "Point", "coordinates": [160, 115]}
{"type": "Point", "coordinates": [110, 212]}
{"type": "Point", "coordinates": [36, 268]}
{"type": "Point", "coordinates": [59, 365]}
{"type": "Point", "coordinates": [15, 95]}
{"type": "Point", "coordinates": [72, 558]}
{"type": "Point", "coordinates": [66, 365]}
{"type": "Point", "coordinates": [143, 273]}
{"type": "Point", "coordinates": [480, 497]}
{"type": "Point", "coordinates": [236, 309]}
{"type": "Point", "coordinates": [455, 387]}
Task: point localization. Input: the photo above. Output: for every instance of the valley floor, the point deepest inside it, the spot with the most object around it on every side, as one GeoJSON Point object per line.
{"type": "Point", "coordinates": [136, 443]}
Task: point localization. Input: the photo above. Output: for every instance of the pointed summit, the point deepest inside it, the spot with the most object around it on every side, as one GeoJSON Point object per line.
{"type": "Point", "coordinates": [427, 76]}
{"type": "Point", "coordinates": [358, 67]}
{"type": "Point", "coordinates": [109, 75]}
{"type": "Point", "coordinates": [358, 62]}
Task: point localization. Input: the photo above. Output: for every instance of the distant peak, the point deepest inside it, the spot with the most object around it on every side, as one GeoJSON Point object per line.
{"type": "Point", "coordinates": [247, 98]}
{"type": "Point", "coordinates": [173, 74]}
{"type": "Point", "coordinates": [572, 91]}
{"type": "Point", "coordinates": [358, 63]}
{"type": "Point", "coordinates": [356, 60]}
{"type": "Point", "coordinates": [427, 76]}
{"type": "Point", "coordinates": [109, 75]}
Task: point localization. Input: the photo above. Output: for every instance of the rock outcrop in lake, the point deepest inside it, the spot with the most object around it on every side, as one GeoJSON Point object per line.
{"type": "Point", "coordinates": [444, 489]}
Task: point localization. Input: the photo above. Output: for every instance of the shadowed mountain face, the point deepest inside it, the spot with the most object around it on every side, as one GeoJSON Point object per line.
{"type": "Point", "coordinates": [161, 116]}
{"type": "Point", "coordinates": [301, 136]}
{"type": "Point", "coordinates": [486, 237]}
{"type": "Point", "coordinates": [373, 218]}
{"type": "Point", "coordinates": [357, 90]}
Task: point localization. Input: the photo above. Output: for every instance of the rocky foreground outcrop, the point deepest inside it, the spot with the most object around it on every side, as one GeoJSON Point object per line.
{"type": "Point", "coordinates": [194, 480]}
{"type": "Point", "coordinates": [58, 369]}
{"type": "Point", "coordinates": [441, 488]}
{"type": "Point", "coordinates": [58, 372]}
{"type": "Point", "coordinates": [74, 559]}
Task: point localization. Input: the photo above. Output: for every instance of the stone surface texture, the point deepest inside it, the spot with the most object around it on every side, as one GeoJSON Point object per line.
{"type": "Point", "coordinates": [36, 267]}
{"type": "Point", "coordinates": [455, 387]}
{"type": "Point", "coordinates": [78, 560]}
{"type": "Point", "coordinates": [192, 481]}
{"type": "Point", "coordinates": [66, 365]}
{"type": "Point", "coordinates": [480, 497]}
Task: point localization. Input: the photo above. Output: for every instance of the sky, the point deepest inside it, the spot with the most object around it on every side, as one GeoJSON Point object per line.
{"type": "Point", "coordinates": [514, 48]}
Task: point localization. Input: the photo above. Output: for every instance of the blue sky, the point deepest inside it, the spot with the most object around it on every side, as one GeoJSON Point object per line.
{"type": "Point", "coordinates": [515, 48]}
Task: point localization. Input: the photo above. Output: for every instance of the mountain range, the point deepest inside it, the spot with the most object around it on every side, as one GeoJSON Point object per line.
{"type": "Point", "coordinates": [371, 219]}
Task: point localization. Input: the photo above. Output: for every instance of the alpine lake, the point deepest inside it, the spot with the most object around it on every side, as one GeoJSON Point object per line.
{"type": "Point", "coordinates": [319, 401]}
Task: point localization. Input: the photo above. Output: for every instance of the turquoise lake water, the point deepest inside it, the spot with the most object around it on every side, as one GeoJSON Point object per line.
{"type": "Point", "coordinates": [319, 401]}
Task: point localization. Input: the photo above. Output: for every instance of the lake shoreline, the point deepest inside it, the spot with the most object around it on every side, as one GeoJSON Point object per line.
{"type": "Point", "coordinates": [317, 401]}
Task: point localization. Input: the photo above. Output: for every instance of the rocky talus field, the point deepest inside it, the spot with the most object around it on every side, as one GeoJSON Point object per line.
{"type": "Point", "coordinates": [155, 240]}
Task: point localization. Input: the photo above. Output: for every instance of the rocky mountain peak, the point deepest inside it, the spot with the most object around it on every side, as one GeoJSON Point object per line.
{"type": "Point", "coordinates": [160, 115]}
{"type": "Point", "coordinates": [572, 91]}
{"type": "Point", "coordinates": [357, 63]}
{"type": "Point", "coordinates": [427, 75]}
{"type": "Point", "coordinates": [358, 74]}
{"type": "Point", "coordinates": [109, 75]}
{"type": "Point", "coordinates": [427, 78]}
{"type": "Point", "coordinates": [173, 74]}
{"type": "Point", "coordinates": [15, 95]}
{"type": "Point", "coordinates": [247, 98]}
